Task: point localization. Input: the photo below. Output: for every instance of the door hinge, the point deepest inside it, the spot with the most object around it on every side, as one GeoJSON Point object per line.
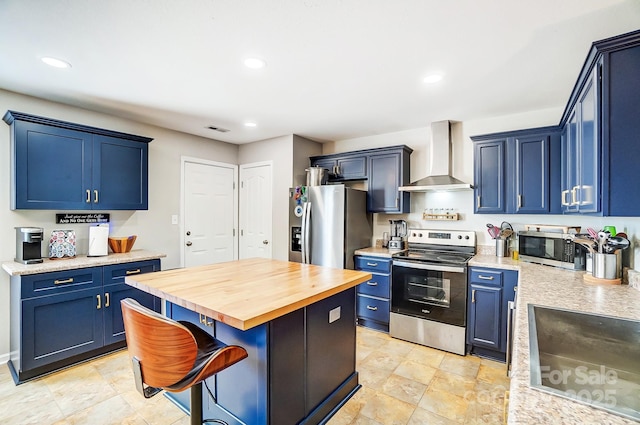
{"type": "Point", "coordinates": [241, 185]}
{"type": "Point", "coordinates": [234, 232]}
{"type": "Point", "coordinates": [241, 232]}
{"type": "Point", "coordinates": [234, 185]}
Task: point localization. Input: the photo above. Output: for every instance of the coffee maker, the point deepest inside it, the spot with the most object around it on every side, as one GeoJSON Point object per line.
{"type": "Point", "coordinates": [398, 233]}
{"type": "Point", "coordinates": [28, 245]}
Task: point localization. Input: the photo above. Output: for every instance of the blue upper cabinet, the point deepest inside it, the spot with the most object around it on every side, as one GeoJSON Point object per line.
{"type": "Point", "coordinates": [343, 167]}
{"type": "Point", "coordinates": [601, 142]}
{"type": "Point", "coordinates": [59, 165]}
{"type": "Point", "coordinates": [489, 170]}
{"type": "Point", "coordinates": [517, 172]}
{"type": "Point", "coordinates": [385, 169]}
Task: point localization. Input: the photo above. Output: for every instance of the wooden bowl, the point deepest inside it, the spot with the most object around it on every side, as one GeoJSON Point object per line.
{"type": "Point", "coordinates": [119, 245]}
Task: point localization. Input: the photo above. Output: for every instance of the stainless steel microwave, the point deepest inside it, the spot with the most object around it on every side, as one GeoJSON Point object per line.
{"type": "Point", "coordinates": [552, 249]}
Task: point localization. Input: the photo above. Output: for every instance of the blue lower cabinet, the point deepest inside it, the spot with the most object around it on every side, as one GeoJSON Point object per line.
{"type": "Point", "coordinates": [373, 301]}
{"type": "Point", "coordinates": [299, 366]}
{"type": "Point", "coordinates": [64, 317]}
{"type": "Point", "coordinates": [490, 291]}
{"type": "Point", "coordinates": [60, 326]}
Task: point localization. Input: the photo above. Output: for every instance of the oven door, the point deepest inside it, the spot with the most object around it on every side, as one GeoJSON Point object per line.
{"type": "Point", "coordinates": [429, 291]}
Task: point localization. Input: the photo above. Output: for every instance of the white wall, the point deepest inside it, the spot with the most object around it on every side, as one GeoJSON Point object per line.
{"type": "Point", "coordinates": [153, 227]}
{"type": "Point", "coordinates": [462, 168]}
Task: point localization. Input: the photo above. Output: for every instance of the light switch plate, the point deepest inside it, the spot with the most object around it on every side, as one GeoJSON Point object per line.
{"type": "Point", "coordinates": [174, 219]}
{"type": "Point", "coordinates": [334, 314]}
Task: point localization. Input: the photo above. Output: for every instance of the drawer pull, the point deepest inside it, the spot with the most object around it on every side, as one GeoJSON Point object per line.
{"type": "Point", "coordinates": [95, 196]}
{"type": "Point", "coordinates": [372, 264]}
{"type": "Point", "coordinates": [88, 196]}
{"type": "Point", "coordinates": [59, 282]}
{"type": "Point", "coordinates": [106, 300]}
{"type": "Point", "coordinates": [473, 296]}
{"type": "Point", "coordinates": [372, 283]}
{"type": "Point", "coordinates": [373, 308]}
{"type": "Point", "coordinates": [485, 277]}
{"type": "Point", "coordinates": [136, 271]}
{"type": "Point", "coordinates": [99, 303]}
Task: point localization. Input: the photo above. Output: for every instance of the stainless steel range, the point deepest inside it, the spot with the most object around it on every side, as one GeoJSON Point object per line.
{"type": "Point", "coordinates": [429, 289]}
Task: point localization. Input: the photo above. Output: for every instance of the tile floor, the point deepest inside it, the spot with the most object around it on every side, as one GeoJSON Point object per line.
{"type": "Point", "coordinates": [402, 383]}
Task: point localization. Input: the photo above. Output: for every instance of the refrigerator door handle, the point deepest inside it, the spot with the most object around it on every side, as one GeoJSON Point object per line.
{"type": "Point", "coordinates": [305, 233]}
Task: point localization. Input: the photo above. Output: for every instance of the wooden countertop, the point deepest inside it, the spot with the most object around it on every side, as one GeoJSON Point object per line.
{"type": "Point", "coordinates": [250, 292]}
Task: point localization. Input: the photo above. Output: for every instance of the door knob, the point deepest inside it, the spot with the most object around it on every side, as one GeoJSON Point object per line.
{"type": "Point", "coordinates": [266, 242]}
{"type": "Point", "coordinates": [188, 233]}
{"type": "Point", "coordinates": [189, 243]}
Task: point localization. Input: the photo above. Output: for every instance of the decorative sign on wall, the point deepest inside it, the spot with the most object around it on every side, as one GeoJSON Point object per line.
{"type": "Point", "coordinates": [82, 218]}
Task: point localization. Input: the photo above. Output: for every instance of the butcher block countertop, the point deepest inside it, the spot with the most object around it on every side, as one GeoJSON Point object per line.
{"type": "Point", "coordinates": [247, 293]}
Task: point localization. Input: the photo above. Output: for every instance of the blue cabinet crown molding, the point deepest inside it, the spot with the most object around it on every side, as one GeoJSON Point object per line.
{"type": "Point", "coordinates": [597, 49]}
{"type": "Point", "coordinates": [363, 152]}
{"type": "Point", "coordinates": [10, 116]}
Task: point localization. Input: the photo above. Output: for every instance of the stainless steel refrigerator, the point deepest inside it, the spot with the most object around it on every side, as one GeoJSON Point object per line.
{"type": "Point", "coordinates": [327, 224]}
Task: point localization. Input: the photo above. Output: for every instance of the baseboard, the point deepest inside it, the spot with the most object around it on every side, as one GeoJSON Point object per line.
{"type": "Point", "coordinates": [4, 358]}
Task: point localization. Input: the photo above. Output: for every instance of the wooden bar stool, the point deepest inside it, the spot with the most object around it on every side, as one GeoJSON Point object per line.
{"type": "Point", "coordinates": [173, 356]}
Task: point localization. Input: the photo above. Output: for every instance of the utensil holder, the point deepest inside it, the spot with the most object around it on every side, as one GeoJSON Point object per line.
{"type": "Point", "coordinates": [502, 247]}
{"type": "Point", "coordinates": [606, 266]}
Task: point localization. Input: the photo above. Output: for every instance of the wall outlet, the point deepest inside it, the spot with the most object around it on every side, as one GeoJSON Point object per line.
{"type": "Point", "coordinates": [334, 314]}
{"type": "Point", "coordinates": [174, 219]}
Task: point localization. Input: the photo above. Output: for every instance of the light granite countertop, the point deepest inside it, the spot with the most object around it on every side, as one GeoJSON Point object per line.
{"type": "Point", "coordinates": [553, 287]}
{"type": "Point", "coordinates": [377, 252]}
{"type": "Point", "coordinates": [78, 262]}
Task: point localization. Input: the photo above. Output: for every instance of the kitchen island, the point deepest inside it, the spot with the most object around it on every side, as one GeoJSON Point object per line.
{"type": "Point", "coordinates": [557, 288]}
{"type": "Point", "coordinates": [296, 321]}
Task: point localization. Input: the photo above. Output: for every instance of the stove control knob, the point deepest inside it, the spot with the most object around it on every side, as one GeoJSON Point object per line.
{"type": "Point", "coordinates": [466, 237]}
{"type": "Point", "coordinates": [413, 234]}
{"type": "Point", "coordinates": [459, 236]}
{"type": "Point", "coordinates": [420, 234]}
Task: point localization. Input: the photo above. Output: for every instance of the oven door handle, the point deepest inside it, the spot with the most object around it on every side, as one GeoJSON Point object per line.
{"type": "Point", "coordinates": [426, 266]}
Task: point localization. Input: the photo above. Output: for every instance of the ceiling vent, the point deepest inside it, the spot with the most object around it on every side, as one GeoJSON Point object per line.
{"type": "Point", "coordinates": [220, 129]}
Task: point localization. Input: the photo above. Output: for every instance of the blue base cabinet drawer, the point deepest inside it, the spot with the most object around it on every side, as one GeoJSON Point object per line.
{"type": "Point", "coordinates": [374, 295]}
{"type": "Point", "coordinates": [377, 286]}
{"type": "Point", "coordinates": [373, 308]}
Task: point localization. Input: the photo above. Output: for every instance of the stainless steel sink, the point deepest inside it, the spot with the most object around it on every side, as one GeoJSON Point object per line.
{"type": "Point", "coordinates": [585, 357]}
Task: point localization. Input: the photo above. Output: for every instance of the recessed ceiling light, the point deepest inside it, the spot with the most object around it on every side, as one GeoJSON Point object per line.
{"type": "Point", "coordinates": [432, 78]}
{"type": "Point", "coordinates": [254, 63]}
{"type": "Point", "coordinates": [250, 124]}
{"type": "Point", "coordinates": [56, 63]}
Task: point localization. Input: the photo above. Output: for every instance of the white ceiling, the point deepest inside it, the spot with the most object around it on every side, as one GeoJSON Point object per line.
{"type": "Point", "coordinates": [336, 69]}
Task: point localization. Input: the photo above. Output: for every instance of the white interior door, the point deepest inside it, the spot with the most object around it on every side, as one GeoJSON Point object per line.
{"type": "Point", "coordinates": [210, 212]}
{"type": "Point", "coordinates": [256, 191]}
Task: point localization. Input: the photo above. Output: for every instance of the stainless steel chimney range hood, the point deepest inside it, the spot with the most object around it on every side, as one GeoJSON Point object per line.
{"type": "Point", "coordinates": [440, 177]}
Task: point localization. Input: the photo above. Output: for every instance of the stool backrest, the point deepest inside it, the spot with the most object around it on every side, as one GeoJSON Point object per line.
{"type": "Point", "coordinates": [166, 349]}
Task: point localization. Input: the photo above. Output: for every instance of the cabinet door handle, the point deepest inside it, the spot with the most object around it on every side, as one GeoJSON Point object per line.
{"type": "Point", "coordinates": [485, 277]}
{"type": "Point", "coordinates": [59, 282]}
{"type": "Point", "coordinates": [519, 201]}
{"type": "Point", "coordinates": [106, 299]}
{"type": "Point", "coordinates": [574, 199]}
{"type": "Point", "coordinates": [478, 202]}
{"type": "Point", "coordinates": [473, 296]}
{"type": "Point", "coordinates": [88, 196]}
{"type": "Point", "coordinates": [128, 272]}
{"type": "Point", "coordinates": [372, 308]}
{"type": "Point", "coordinates": [372, 264]}
{"type": "Point", "coordinates": [95, 196]}
{"type": "Point", "coordinates": [564, 197]}
{"type": "Point", "coordinates": [99, 303]}
{"type": "Point", "coordinates": [397, 201]}
{"type": "Point", "coordinates": [201, 319]}
{"type": "Point", "coordinates": [372, 283]}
